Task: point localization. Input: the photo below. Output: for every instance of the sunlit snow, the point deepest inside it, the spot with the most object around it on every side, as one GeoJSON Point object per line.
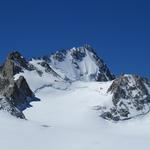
{"type": "Point", "coordinates": [67, 120]}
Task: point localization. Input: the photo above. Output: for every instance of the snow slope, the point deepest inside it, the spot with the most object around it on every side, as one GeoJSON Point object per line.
{"type": "Point", "coordinates": [68, 120]}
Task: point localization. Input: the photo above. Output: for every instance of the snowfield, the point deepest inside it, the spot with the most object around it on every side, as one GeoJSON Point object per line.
{"type": "Point", "coordinates": [68, 120]}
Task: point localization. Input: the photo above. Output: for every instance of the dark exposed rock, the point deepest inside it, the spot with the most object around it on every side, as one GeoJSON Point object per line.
{"type": "Point", "coordinates": [4, 83]}
{"type": "Point", "coordinates": [1, 67]}
{"type": "Point", "coordinates": [20, 93]}
{"type": "Point", "coordinates": [46, 59]}
{"type": "Point", "coordinates": [16, 95]}
{"type": "Point", "coordinates": [6, 102]}
{"type": "Point", "coordinates": [18, 58]}
{"type": "Point", "coordinates": [13, 65]}
{"type": "Point", "coordinates": [48, 69]}
{"type": "Point", "coordinates": [130, 97]}
{"type": "Point", "coordinates": [9, 69]}
{"type": "Point", "coordinates": [60, 55]}
{"type": "Point", "coordinates": [78, 54]}
{"type": "Point", "coordinates": [6, 105]}
{"type": "Point", "coordinates": [104, 73]}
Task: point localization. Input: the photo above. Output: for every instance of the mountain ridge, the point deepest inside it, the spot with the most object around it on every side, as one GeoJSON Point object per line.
{"type": "Point", "coordinates": [59, 70]}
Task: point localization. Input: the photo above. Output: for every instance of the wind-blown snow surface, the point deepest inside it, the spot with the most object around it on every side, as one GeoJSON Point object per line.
{"type": "Point", "coordinates": [68, 120]}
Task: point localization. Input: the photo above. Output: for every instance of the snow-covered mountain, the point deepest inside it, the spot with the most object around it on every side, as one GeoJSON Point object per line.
{"type": "Point", "coordinates": [128, 95]}
{"type": "Point", "coordinates": [68, 98]}
{"type": "Point", "coordinates": [20, 77]}
{"type": "Point", "coordinates": [80, 64]}
{"type": "Point", "coordinates": [66, 66]}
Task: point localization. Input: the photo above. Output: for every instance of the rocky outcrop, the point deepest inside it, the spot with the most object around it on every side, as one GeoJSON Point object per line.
{"type": "Point", "coordinates": [7, 105]}
{"type": "Point", "coordinates": [17, 58]}
{"type": "Point", "coordinates": [13, 65]}
{"type": "Point", "coordinates": [130, 98]}
{"type": "Point", "coordinates": [7, 102]}
{"type": "Point", "coordinates": [48, 69]}
{"type": "Point", "coordinates": [20, 93]}
{"type": "Point", "coordinates": [15, 95]}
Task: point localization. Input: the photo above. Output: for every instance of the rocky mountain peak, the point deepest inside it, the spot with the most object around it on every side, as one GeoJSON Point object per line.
{"type": "Point", "coordinates": [83, 63]}
{"type": "Point", "coordinates": [130, 82]}
{"type": "Point", "coordinates": [17, 58]}
{"type": "Point", "coordinates": [130, 98]}
{"type": "Point", "coordinates": [14, 64]}
{"type": "Point", "coordinates": [15, 95]}
{"type": "Point", "coordinates": [89, 48]}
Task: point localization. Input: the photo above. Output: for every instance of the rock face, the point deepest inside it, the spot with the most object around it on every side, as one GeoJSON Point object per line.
{"type": "Point", "coordinates": [13, 65]}
{"type": "Point", "coordinates": [130, 98]}
{"type": "Point", "coordinates": [7, 105]}
{"type": "Point", "coordinates": [20, 93]}
{"type": "Point", "coordinates": [6, 101]}
{"type": "Point", "coordinates": [15, 95]}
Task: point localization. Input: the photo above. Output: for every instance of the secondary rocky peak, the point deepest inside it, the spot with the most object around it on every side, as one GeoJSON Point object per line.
{"type": "Point", "coordinates": [14, 55]}
{"type": "Point", "coordinates": [130, 98]}
{"type": "Point", "coordinates": [14, 64]}
{"type": "Point", "coordinates": [18, 58]}
{"type": "Point", "coordinates": [16, 94]}
{"type": "Point", "coordinates": [130, 82]}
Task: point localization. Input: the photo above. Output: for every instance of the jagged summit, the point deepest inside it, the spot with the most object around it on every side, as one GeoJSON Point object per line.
{"type": "Point", "coordinates": [81, 63]}
{"type": "Point", "coordinates": [15, 95]}
{"type": "Point", "coordinates": [16, 57]}
{"type": "Point", "coordinates": [13, 64]}
{"type": "Point", "coordinates": [76, 64]}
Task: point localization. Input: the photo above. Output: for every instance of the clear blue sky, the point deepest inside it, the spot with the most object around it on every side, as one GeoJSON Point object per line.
{"type": "Point", "coordinates": [118, 30]}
